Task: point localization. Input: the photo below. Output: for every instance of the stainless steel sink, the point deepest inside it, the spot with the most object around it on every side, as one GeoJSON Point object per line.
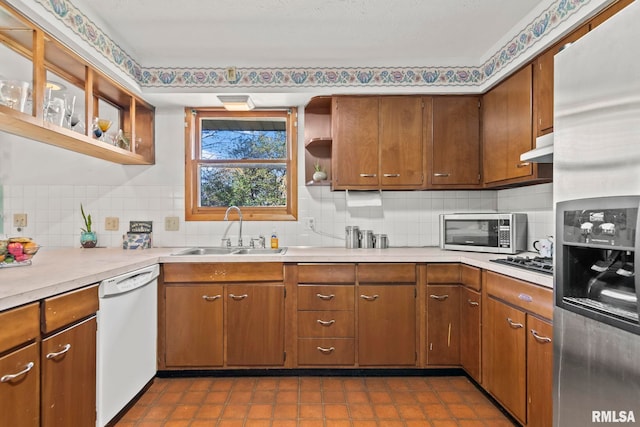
{"type": "Point", "coordinates": [259, 251]}
{"type": "Point", "coordinates": [230, 251]}
{"type": "Point", "coordinates": [205, 251]}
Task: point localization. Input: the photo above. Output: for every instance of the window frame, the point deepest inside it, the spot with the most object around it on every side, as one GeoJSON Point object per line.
{"type": "Point", "coordinates": [193, 212]}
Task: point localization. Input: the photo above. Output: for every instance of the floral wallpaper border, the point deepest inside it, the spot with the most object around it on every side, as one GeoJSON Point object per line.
{"type": "Point", "coordinates": [185, 77]}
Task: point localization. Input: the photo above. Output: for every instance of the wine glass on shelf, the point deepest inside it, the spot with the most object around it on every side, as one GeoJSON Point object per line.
{"type": "Point", "coordinates": [104, 125]}
{"type": "Point", "coordinates": [69, 108]}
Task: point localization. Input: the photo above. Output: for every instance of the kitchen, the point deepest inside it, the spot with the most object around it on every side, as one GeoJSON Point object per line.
{"type": "Point", "coordinates": [152, 193]}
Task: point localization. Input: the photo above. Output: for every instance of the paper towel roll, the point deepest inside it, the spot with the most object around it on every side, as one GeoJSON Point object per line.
{"type": "Point", "coordinates": [358, 199]}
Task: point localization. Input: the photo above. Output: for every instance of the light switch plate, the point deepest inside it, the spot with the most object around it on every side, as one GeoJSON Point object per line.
{"type": "Point", "coordinates": [171, 223]}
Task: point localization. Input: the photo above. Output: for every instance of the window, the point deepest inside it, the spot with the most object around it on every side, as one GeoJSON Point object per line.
{"type": "Point", "coordinates": [247, 159]}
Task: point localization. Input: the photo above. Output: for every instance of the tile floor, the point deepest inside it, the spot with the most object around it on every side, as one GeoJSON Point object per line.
{"type": "Point", "coordinates": [314, 401]}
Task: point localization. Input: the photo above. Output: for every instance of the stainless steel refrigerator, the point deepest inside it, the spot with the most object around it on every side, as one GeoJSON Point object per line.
{"type": "Point", "coordinates": [596, 189]}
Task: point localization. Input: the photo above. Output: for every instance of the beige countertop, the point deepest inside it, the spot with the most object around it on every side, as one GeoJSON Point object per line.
{"type": "Point", "coordinates": [56, 271]}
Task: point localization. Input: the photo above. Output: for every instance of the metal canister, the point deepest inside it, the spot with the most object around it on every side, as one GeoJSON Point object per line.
{"type": "Point", "coordinates": [352, 236]}
{"type": "Point", "coordinates": [380, 241]}
{"type": "Point", "coordinates": [366, 239]}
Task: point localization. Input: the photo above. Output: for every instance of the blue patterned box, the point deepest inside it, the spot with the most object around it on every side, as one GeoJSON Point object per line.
{"type": "Point", "coordinates": [136, 241]}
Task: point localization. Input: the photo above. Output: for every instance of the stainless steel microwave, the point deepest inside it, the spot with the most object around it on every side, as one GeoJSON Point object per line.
{"type": "Point", "coordinates": [503, 233]}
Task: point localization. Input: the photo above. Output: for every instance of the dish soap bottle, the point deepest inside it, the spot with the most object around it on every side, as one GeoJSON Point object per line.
{"type": "Point", "coordinates": [274, 240]}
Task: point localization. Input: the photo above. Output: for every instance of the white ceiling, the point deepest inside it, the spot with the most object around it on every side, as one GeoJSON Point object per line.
{"type": "Point", "coordinates": [295, 33]}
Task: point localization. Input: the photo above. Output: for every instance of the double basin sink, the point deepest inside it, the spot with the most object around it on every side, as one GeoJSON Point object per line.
{"type": "Point", "coordinates": [230, 251]}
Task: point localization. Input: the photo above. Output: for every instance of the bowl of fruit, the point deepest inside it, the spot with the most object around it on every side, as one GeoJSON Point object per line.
{"type": "Point", "coordinates": [17, 251]}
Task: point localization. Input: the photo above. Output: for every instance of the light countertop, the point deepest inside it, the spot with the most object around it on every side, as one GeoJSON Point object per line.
{"type": "Point", "coordinates": [62, 270]}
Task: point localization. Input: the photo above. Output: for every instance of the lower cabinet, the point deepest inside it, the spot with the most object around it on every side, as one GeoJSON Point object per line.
{"type": "Point", "coordinates": [68, 361]}
{"type": "Point", "coordinates": [470, 332]}
{"type": "Point", "coordinates": [194, 325]}
{"type": "Point", "coordinates": [387, 325]}
{"type": "Point", "coordinates": [255, 324]}
{"type": "Point", "coordinates": [216, 315]}
{"type": "Point", "coordinates": [19, 387]}
{"type": "Point", "coordinates": [518, 352]}
{"type": "Point", "coordinates": [443, 325]}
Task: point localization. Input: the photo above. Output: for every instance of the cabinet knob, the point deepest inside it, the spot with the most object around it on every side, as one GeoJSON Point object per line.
{"type": "Point", "coordinates": [439, 297]}
{"type": "Point", "coordinates": [370, 297]}
{"type": "Point", "coordinates": [238, 297]}
{"type": "Point", "coordinates": [513, 324]}
{"type": "Point", "coordinates": [9, 377]}
{"type": "Point", "coordinates": [326, 350]}
{"type": "Point", "coordinates": [53, 355]}
{"type": "Point", "coordinates": [540, 338]}
{"type": "Point", "coordinates": [326, 297]}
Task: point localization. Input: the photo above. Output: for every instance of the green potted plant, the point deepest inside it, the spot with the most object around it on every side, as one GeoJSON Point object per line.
{"type": "Point", "coordinates": [88, 238]}
{"type": "Point", "coordinates": [319, 174]}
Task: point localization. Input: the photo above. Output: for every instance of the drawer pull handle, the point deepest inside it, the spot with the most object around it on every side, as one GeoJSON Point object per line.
{"type": "Point", "coordinates": [441, 175]}
{"type": "Point", "coordinates": [473, 303]}
{"type": "Point", "coordinates": [238, 297]}
{"type": "Point", "coordinates": [326, 350]}
{"type": "Point", "coordinates": [326, 322]}
{"type": "Point", "coordinates": [59, 353]}
{"type": "Point", "coordinates": [368, 175]}
{"type": "Point", "coordinates": [523, 165]}
{"type": "Point", "coordinates": [439, 297]}
{"type": "Point", "coordinates": [370, 297]}
{"type": "Point", "coordinates": [513, 324]}
{"type": "Point", "coordinates": [9, 377]}
{"type": "Point", "coordinates": [391, 175]}
{"type": "Point", "coordinates": [540, 338]}
{"type": "Point", "coordinates": [210, 297]}
{"type": "Point", "coordinates": [326, 297]}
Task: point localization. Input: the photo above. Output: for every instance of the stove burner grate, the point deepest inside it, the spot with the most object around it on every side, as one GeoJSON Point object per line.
{"type": "Point", "coordinates": [536, 264]}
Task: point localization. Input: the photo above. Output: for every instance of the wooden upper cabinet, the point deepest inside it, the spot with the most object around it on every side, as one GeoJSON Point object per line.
{"type": "Point", "coordinates": [455, 151]}
{"type": "Point", "coordinates": [355, 142]}
{"type": "Point", "coordinates": [507, 133]}
{"type": "Point", "coordinates": [401, 145]}
{"type": "Point", "coordinates": [543, 83]}
{"type": "Point", "coordinates": [377, 142]}
{"type": "Point", "coordinates": [608, 13]}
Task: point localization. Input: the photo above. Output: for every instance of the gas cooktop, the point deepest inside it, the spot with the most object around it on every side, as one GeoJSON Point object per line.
{"type": "Point", "coordinates": [536, 264]}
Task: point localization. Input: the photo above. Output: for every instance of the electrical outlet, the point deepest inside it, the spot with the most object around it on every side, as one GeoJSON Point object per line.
{"type": "Point", "coordinates": [20, 220]}
{"type": "Point", "coordinates": [171, 223]}
{"type": "Point", "coordinates": [309, 223]}
{"type": "Point", "coordinates": [111, 223]}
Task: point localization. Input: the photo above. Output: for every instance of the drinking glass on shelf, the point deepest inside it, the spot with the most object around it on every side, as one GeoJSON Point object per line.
{"type": "Point", "coordinates": [104, 125]}
{"type": "Point", "coordinates": [69, 108]}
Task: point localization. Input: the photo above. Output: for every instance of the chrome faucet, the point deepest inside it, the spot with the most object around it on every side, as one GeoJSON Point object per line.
{"type": "Point", "coordinates": [226, 218]}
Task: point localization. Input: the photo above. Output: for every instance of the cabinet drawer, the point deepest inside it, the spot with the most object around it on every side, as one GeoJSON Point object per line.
{"type": "Point", "coordinates": [321, 324]}
{"type": "Point", "coordinates": [387, 273]}
{"type": "Point", "coordinates": [19, 325]}
{"type": "Point", "coordinates": [443, 273]}
{"type": "Point", "coordinates": [327, 351]}
{"type": "Point", "coordinates": [67, 308]}
{"type": "Point", "coordinates": [223, 272]}
{"type": "Point", "coordinates": [326, 273]}
{"type": "Point", "coordinates": [527, 296]}
{"type": "Point", "coordinates": [325, 297]}
{"type": "Point", "coordinates": [471, 277]}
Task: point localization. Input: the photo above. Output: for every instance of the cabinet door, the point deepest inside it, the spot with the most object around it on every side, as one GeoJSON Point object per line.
{"type": "Point", "coordinates": [255, 324]}
{"type": "Point", "coordinates": [443, 325]}
{"type": "Point", "coordinates": [355, 142]}
{"type": "Point", "coordinates": [19, 392]}
{"type": "Point", "coordinates": [539, 372]}
{"type": "Point", "coordinates": [507, 116]}
{"type": "Point", "coordinates": [387, 325]}
{"type": "Point", "coordinates": [543, 82]}
{"type": "Point", "coordinates": [470, 332]}
{"type": "Point", "coordinates": [193, 325]}
{"type": "Point", "coordinates": [401, 144]}
{"type": "Point", "coordinates": [68, 363]}
{"type": "Point", "coordinates": [456, 140]}
{"type": "Point", "coordinates": [506, 357]}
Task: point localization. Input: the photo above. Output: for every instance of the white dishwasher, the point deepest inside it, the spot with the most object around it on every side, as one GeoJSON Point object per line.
{"type": "Point", "coordinates": [127, 339]}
